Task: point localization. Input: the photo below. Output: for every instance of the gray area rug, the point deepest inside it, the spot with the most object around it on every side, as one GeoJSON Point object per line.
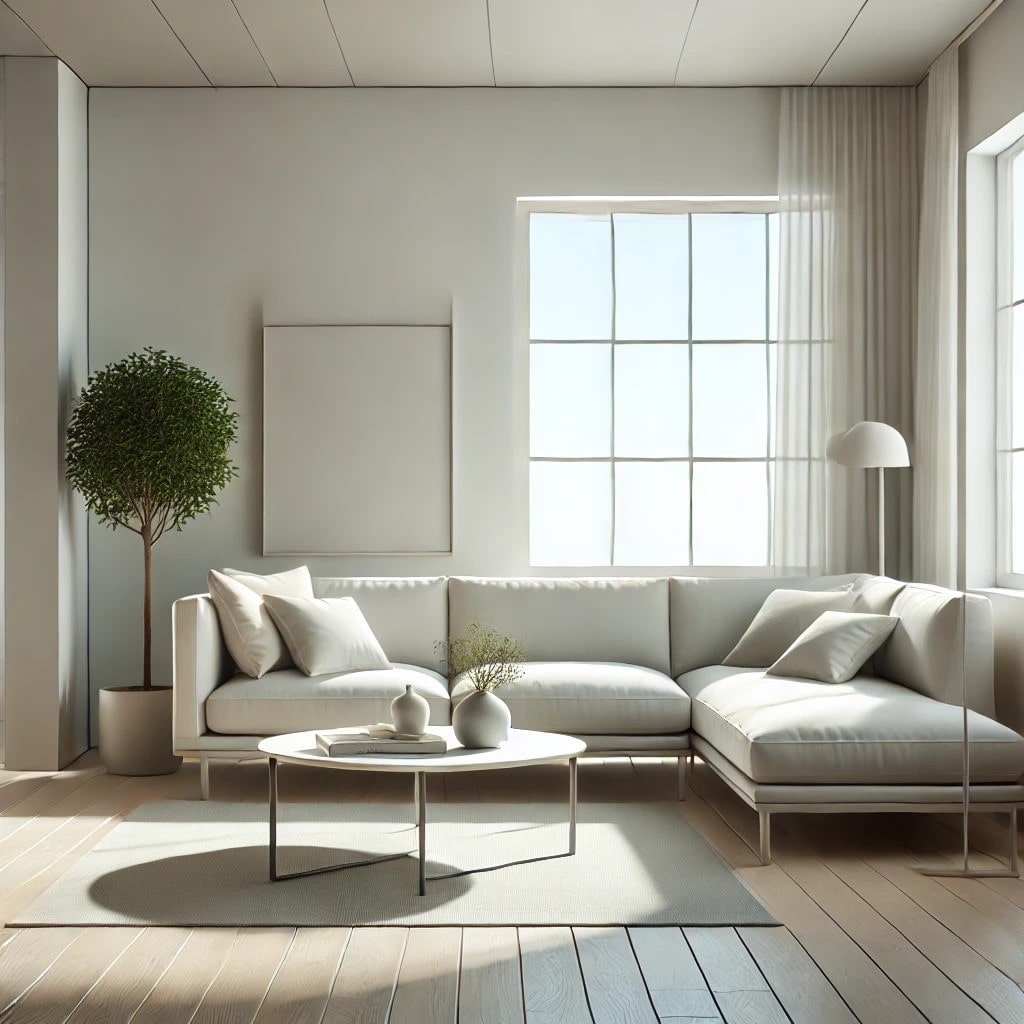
{"type": "Point", "coordinates": [195, 863]}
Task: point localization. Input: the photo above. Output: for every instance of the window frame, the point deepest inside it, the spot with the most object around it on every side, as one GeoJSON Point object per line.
{"type": "Point", "coordinates": [1004, 307]}
{"type": "Point", "coordinates": [607, 206]}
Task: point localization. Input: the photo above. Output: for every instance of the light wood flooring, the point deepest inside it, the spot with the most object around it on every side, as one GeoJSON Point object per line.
{"type": "Point", "coordinates": [866, 937]}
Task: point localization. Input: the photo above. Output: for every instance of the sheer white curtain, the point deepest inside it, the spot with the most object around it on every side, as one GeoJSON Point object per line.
{"type": "Point", "coordinates": [935, 415]}
{"type": "Point", "coordinates": [847, 305]}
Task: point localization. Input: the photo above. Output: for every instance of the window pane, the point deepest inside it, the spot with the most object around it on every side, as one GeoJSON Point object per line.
{"type": "Point", "coordinates": [570, 513]}
{"type": "Point", "coordinates": [1017, 215]}
{"type": "Point", "coordinates": [730, 401]}
{"type": "Point", "coordinates": [1017, 512]}
{"type": "Point", "coordinates": [651, 277]}
{"type": "Point", "coordinates": [1017, 377]}
{"type": "Point", "coordinates": [570, 276]}
{"type": "Point", "coordinates": [730, 513]}
{"type": "Point", "coordinates": [652, 513]}
{"type": "Point", "coordinates": [773, 276]}
{"type": "Point", "coordinates": [729, 275]}
{"type": "Point", "coordinates": [651, 400]}
{"type": "Point", "coordinates": [570, 400]}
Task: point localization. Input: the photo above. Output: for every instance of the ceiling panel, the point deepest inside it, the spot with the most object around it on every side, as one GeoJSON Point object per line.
{"type": "Point", "coordinates": [17, 39]}
{"type": "Point", "coordinates": [111, 42]}
{"type": "Point", "coordinates": [588, 42]}
{"type": "Point", "coordinates": [893, 42]}
{"type": "Point", "coordinates": [786, 42]}
{"type": "Point", "coordinates": [409, 42]}
{"type": "Point", "coordinates": [297, 40]}
{"type": "Point", "coordinates": [217, 38]}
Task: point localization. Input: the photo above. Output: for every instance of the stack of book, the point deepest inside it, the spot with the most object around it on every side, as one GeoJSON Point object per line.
{"type": "Point", "coordinates": [370, 739]}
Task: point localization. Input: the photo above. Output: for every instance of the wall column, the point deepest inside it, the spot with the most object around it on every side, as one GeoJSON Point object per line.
{"type": "Point", "coordinates": [46, 321]}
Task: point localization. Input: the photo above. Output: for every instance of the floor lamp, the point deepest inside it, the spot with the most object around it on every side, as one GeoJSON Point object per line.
{"type": "Point", "coordinates": [870, 445]}
{"type": "Point", "coordinates": [966, 871]}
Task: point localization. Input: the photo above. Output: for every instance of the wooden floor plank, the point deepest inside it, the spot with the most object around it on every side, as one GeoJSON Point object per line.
{"type": "Point", "coordinates": [365, 985]}
{"type": "Point", "coordinates": [805, 993]}
{"type": "Point", "coordinates": [73, 974]}
{"type": "Point", "coordinates": [56, 798]}
{"type": "Point", "coordinates": [245, 976]}
{"type": "Point", "coordinates": [177, 995]}
{"type": "Point", "coordinates": [740, 989]}
{"type": "Point", "coordinates": [674, 980]}
{"type": "Point", "coordinates": [615, 985]}
{"type": "Point", "coordinates": [491, 987]}
{"type": "Point", "coordinates": [870, 993]}
{"type": "Point", "coordinates": [925, 984]}
{"type": "Point", "coordinates": [27, 956]}
{"type": "Point", "coordinates": [553, 989]}
{"type": "Point", "coordinates": [427, 991]}
{"type": "Point", "coordinates": [300, 989]}
{"type": "Point", "coordinates": [123, 989]}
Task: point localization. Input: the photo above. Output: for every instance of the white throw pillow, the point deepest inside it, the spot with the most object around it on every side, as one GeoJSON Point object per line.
{"type": "Point", "coordinates": [326, 634]}
{"type": "Point", "coordinates": [835, 646]}
{"type": "Point", "coordinates": [250, 635]}
{"type": "Point", "coordinates": [784, 615]}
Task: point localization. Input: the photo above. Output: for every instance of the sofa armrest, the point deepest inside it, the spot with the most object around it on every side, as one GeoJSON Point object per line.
{"type": "Point", "coordinates": [201, 664]}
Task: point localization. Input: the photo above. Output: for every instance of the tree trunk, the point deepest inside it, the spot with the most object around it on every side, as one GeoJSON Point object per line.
{"type": "Point", "coordinates": [147, 610]}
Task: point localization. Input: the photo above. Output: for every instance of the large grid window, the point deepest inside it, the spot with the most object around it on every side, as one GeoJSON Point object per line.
{"type": "Point", "coordinates": [1010, 396]}
{"type": "Point", "coordinates": [652, 351]}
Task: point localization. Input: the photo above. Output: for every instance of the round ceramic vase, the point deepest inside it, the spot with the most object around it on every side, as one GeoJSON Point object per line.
{"type": "Point", "coordinates": [481, 720]}
{"type": "Point", "coordinates": [410, 713]}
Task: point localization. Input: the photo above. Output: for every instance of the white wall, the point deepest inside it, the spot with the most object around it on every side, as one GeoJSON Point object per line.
{"type": "Point", "coordinates": [46, 299]}
{"type": "Point", "coordinates": [991, 97]}
{"type": "Point", "coordinates": [214, 212]}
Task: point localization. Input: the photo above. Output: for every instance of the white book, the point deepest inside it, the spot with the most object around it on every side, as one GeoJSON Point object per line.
{"type": "Point", "coordinates": [371, 740]}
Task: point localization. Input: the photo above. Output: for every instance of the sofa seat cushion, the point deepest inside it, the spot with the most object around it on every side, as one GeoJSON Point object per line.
{"type": "Point", "coordinates": [591, 697]}
{"type": "Point", "coordinates": [288, 701]}
{"type": "Point", "coordinates": [780, 729]}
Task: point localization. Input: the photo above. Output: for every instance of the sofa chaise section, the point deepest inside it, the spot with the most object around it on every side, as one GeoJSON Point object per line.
{"type": "Point", "coordinates": [889, 739]}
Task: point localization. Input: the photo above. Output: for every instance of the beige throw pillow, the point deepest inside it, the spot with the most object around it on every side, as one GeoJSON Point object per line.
{"type": "Point", "coordinates": [835, 647]}
{"type": "Point", "coordinates": [784, 615]}
{"type": "Point", "coordinates": [250, 635]}
{"type": "Point", "coordinates": [327, 634]}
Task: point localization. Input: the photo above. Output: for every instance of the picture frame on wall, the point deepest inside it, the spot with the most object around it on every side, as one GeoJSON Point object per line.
{"type": "Point", "coordinates": [357, 440]}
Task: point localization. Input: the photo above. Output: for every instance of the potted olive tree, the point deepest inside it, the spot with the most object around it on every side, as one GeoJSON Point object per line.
{"type": "Point", "coordinates": [147, 448]}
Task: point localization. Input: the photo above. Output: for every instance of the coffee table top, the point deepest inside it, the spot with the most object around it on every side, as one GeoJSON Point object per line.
{"type": "Point", "coordinates": [522, 747]}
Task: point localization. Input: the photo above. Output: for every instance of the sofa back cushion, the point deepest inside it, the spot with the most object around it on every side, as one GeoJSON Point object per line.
{"type": "Point", "coordinates": [408, 615]}
{"type": "Point", "coordinates": [594, 619]}
{"type": "Point", "coordinates": [926, 649]}
{"type": "Point", "coordinates": [709, 616]}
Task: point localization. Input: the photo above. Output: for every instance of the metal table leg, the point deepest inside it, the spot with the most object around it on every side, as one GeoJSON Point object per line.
{"type": "Point", "coordinates": [421, 827]}
{"type": "Point", "coordinates": [572, 805]}
{"type": "Point", "coordinates": [276, 876]}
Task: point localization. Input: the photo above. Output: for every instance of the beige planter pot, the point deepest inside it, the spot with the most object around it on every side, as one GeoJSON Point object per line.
{"type": "Point", "coordinates": [136, 731]}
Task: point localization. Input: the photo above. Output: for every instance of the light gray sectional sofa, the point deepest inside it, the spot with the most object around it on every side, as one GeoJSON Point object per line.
{"type": "Point", "coordinates": [634, 666]}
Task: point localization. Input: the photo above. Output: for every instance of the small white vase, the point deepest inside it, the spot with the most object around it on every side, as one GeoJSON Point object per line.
{"type": "Point", "coordinates": [410, 713]}
{"type": "Point", "coordinates": [481, 720]}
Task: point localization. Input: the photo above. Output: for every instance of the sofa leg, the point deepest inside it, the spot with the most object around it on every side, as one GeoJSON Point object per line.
{"type": "Point", "coordinates": [683, 764]}
{"type": "Point", "coordinates": [204, 776]}
{"type": "Point", "coordinates": [765, 818]}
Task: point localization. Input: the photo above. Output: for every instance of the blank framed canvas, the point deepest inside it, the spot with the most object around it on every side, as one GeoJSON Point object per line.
{"type": "Point", "coordinates": [357, 440]}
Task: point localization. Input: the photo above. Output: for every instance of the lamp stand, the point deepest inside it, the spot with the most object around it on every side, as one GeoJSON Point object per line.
{"type": "Point", "coordinates": [881, 521]}
{"type": "Point", "coordinates": [1012, 869]}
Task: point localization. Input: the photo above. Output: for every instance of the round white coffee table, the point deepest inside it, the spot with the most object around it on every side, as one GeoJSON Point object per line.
{"type": "Point", "coordinates": [522, 748]}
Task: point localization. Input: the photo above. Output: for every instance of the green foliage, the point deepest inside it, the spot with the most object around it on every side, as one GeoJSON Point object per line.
{"type": "Point", "coordinates": [147, 445]}
{"type": "Point", "coordinates": [488, 657]}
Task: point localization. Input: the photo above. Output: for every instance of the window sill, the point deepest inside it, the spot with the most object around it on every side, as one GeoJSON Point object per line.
{"type": "Point", "coordinates": [1010, 592]}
